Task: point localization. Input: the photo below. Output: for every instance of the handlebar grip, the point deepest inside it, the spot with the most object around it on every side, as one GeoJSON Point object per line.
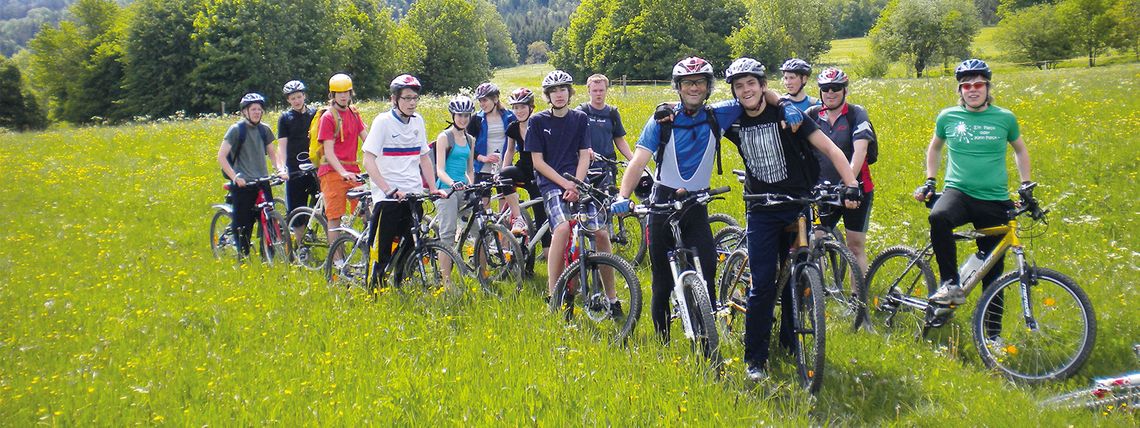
{"type": "Point", "coordinates": [719, 190]}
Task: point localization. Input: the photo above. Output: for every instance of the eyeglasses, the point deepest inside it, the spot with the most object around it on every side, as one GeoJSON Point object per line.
{"type": "Point", "coordinates": [975, 85]}
{"type": "Point", "coordinates": [834, 87]}
{"type": "Point", "coordinates": [692, 83]}
{"type": "Point", "coordinates": [411, 98]}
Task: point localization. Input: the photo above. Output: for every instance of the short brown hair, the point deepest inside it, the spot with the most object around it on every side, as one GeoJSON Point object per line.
{"type": "Point", "coordinates": [598, 78]}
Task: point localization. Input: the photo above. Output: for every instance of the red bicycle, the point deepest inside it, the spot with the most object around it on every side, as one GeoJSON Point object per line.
{"type": "Point", "coordinates": [273, 243]}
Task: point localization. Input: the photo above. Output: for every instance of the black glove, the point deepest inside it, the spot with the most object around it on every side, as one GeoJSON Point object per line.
{"type": "Point", "coordinates": [927, 189]}
{"type": "Point", "coordinates": [852, 193]}
{"type": "Point", "coordinates": [664, 110]}
{"type": "Point", "coordinates": [1025, 191]}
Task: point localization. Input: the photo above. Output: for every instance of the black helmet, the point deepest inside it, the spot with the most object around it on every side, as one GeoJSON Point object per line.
{"type": "Point", "coordinates": [644, 185]}
{"type": "Point", "coordinates": [796, 65]}
{"type": "Point", "coordinates": [252, 98]}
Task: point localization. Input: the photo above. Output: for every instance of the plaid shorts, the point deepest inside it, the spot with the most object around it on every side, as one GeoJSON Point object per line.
{"type": "Point", "coordinates": [558, 211]}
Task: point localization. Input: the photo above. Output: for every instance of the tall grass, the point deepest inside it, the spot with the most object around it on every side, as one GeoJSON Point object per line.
{"type": "Point", "coordinates": [113, 312]}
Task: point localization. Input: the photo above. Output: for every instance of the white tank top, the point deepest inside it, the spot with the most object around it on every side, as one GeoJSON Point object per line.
{"type": "Point", "coordinates": [496, 139]}
{"type": "Point", "coordinates": [669, 173]}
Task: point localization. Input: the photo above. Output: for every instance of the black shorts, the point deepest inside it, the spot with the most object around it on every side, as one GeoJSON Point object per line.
{"type": "Point", "coordinates": [854, 220]}
{"type": "Point", "coordinates": [301, 191]}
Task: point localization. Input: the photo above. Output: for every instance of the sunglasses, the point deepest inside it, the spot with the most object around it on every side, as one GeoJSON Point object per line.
{"type": "Point", "coordinates": [975, 85]}
{"type": "Point", "coordinates": [831, 88]}
{"type": "Point", "coordinates": [690, 83]}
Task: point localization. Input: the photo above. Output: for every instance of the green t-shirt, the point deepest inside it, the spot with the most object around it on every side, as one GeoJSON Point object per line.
{"type": "Point", "coordinates": [977, 143]}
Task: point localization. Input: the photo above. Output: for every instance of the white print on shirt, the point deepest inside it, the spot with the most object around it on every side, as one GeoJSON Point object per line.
{"type": "Point", "coordinates": [763, 152]}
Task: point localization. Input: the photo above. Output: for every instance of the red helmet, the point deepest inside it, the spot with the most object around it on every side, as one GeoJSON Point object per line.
{"type": "Point", "coordinates": [404, 81]}
{"type": "Point", "coordinates": [692, 66]}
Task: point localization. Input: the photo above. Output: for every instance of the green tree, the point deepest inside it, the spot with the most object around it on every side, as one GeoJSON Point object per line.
{"type": "Point", "coordinates": [925, 31]}
{"type": "Point", "coordinates": [1035, 34]}
{"type": "Point", "coordinates": [77, 66]}
{"type": "Point", "coordinates": [1126, 19]}
{"type": "Point", "coordinates": [18, 107]}
{"type": "Point", "coordinates": [776, 30]}
{"type": "Point", "coordinates": [1089, 23]}
{"type": "Point", "coordinates": [501, 50]}
{"type": "Point", "coordinates": [371, 47]}
{"type": "Point", "coordinates": [1006, 7]}
{"type": "Point", "coordinates": [856, 17]}
{"type": "Point", "coordinates": [537, 52]}
{"type": "Point", "coordinates": [455, 42]}
{"type": "Point", "coordinates": [159, 57]}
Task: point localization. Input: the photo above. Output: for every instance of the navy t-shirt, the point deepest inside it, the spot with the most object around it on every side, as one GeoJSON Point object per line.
{"type": "Point", "coordinates": [558, 139]}
{"type": "Point", "coordinates": [605, 125]}
{"type": "Point", "coordinates": [294, 127]}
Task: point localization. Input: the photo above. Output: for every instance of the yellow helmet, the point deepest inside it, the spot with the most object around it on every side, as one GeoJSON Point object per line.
{"type": "Point", "coordinates": [340, 82]}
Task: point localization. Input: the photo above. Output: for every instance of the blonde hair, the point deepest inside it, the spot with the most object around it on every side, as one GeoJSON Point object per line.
{"type": "Point", "coordinates": [598, 78]}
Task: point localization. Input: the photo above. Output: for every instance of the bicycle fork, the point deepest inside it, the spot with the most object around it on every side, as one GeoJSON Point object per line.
{"type": "Point", "coordinates": [680, 303]}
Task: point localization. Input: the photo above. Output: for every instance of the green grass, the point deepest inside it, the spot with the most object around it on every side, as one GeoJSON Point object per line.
{"type": "Point", "coordinates": [113, 312]}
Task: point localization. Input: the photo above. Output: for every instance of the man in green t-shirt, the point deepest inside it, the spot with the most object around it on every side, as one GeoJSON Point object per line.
{"type": "Point", "coordinates": [977, 135]}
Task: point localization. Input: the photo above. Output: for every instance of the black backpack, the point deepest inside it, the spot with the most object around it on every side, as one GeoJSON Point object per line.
{"type": "Point", "coordinates": [665, 132]}
{"type": "Point", "coordinates": [266, 136]}
{"type": "Point", "coordinates": [872, 148]}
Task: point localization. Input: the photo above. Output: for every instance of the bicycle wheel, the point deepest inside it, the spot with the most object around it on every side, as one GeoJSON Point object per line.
{"type": "Point", "coordinates": [718, 221]}
{"type": "Point", "coordinates": [1049, 338]}
{"type": "Point", "coordinates": [734, 283]}
{"type": "Point", "coordinates": [628, 238]}
{"type": "Point", "coordinates": [347, 263]}
{"type": "Point", "coordinates": [573, 298]}
{"type": "Point", "coordinates": [422, 272]}
{"type": "Point", "coordinates": [897, 281]}
{"type": "Point", "coordinates": [727, 240]}
{"type": "Point", "coordinates": [497, 259]}
{"type": "Point", "coordinates": [842, 283]}
{"type": "Point", "coordinates": [275, 246]}
{"type": "Point", "coordinates": [279, 205]}
{"type": "Point", "coordinates": [311, 247]}
{"type": "Point", "coordinates": [700, 313]}
{"type": "Point", "coordinates": [223, 241]}
{"type": "Point", "coordinates": [809, 325]}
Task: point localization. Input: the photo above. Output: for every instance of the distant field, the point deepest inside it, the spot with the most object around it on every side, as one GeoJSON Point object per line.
{"type": "Point", "coordinates": [114, 313]}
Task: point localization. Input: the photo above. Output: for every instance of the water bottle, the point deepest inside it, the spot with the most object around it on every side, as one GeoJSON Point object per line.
{"type": "Point", "coordinates": [970, 267]}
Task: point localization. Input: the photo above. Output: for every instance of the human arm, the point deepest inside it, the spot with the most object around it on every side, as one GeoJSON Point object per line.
{"type": "Point", "coordinates": [824, 145]}
{"type": "Point", "coordinates": [429, 175]}
{"type": "Point", "coordinates": [509, 156]}
{"type": "Point", "coordinates": [933, 156]}
{"type": "Point", "coordinates": [224, 162]}
{"type": "Point", "coordinates": [1021, 159]}
{"type": "Point", "coordinates": [623, 147]}
{"type": "Point", "coordinates": [547, 171]}
{"type": "Point", "coordinates": [441, 146]}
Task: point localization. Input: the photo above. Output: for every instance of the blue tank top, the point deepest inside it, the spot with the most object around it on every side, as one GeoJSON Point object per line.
{"type": "Point", "coordinates": [456, 164]}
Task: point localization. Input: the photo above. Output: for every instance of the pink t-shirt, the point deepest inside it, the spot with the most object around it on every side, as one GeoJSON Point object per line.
{"type": "Point", "coordinates": [347, 145]}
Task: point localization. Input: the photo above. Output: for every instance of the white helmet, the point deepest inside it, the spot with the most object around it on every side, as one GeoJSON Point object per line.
{"type": "Point", "coordinates": [293, 86]}
{"type": "Point", "coordinates": [692, 66]}
{"type": "Point", "coordinates": [461, 105]}
{"type": "Point", "coordinates": [556, 78]}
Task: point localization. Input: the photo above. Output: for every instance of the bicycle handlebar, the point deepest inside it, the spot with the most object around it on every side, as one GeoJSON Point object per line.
{"type": "Point", "coordinates": [682, 199]}
{"type": "Point", "coordinates": [592, 191]}
{"type": "Point", "coordinates": [823, 194]}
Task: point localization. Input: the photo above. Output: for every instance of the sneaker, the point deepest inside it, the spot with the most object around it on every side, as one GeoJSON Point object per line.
{"type": "Point", "coordinates": [615, 310]}
{"type": "Point", "coordinates": [949, 294]}
{"type": "Point", "coordinates": [756, 373]}
{"type": "Point", "coordinates": [518, 226]}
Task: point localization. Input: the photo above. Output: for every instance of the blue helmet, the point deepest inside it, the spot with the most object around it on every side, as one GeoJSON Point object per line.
{"type": "Point", "coordinates": [252, 98]}
{"type": "Point", "coordinates": [973, 67]}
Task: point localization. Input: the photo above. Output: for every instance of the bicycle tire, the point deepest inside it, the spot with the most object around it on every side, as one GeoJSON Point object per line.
{"type": "Point", "coordinates": [351, 270]}
{"type": "Point", "coordinates": [311, 250]}
{"type": "Point", "coordinates": [628, 238]}
{"type": "Point", "coordinates": [223, 242]}
{"type": "Point", "coordinates": [718, 221]}
{"type": "Point", "coordinates": [497, 259]}
{"type": "Point", "coordinates": [275, 246]}
{"type": "Point", "coordinates": [727, 240]}
{"type": "Point", "coordinates": [1020, 353]}
{"type": "Point", "coordinates": [701, 317]}
{"type": "Point", "coordinates": [734, 284]}
{"type": "Point", "coordinates": [843, 282]}
{"type": "Point", "coordinates": [626, 284]}
{"type": "Point", "coordinates": [891, 278]}
{"type": "Point", "coordinates": [421, 272]}
{"type": "Point", "coordinates": [809, 325]}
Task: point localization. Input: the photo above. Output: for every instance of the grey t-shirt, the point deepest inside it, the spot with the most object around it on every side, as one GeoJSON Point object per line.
{"type": "Point", "coordinates": [605, 125]}
{"type": "Point", "coordinates": [250, 161]}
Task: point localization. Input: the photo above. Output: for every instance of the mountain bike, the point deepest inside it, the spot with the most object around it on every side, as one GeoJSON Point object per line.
{"type": "Point", "coordinates": [799, 278]}
{"type": "Point", "coordinates": [628, 230]}
{"type": "Point", "coordinates": [1054, 328]}
{"type": "Point", "coordinates": [487, 247]}
{"type": "Point", "coordinates": [273, 244]}
{"type": "Point", "coordinates": [1106, 394]}
{"type": "Point", "coordinates": [690, 298]}
{"type": "Point", "coordinates": [308, 226]}
{"type": "Point", "coordinates": [414, 266]}
{"type": "Point", "coordinates": [579, 292]}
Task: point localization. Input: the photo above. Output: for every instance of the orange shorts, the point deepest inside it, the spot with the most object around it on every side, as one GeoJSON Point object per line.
{"type": "Point", "coordinates": [335, 188]}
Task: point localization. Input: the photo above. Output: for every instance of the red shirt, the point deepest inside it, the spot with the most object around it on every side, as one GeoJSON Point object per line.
{"type": "Point", "coordinates": [345, 147]}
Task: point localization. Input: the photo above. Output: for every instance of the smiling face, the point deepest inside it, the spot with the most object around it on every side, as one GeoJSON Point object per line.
{"type": "Point", "coordinates": [694, 90]}
{"type": "Point", "coordinates": [487, 104]}
{"type": "Point", "coordinates": [749, 91]}
{"type": "Point", "coordinates": [461, 120]}
{"type": "Point", "coordinates": [832, 95]}
{"type": "Point", "coordinates": [522, 111]}
{"type": "Point", "coordinates": [974, 92]}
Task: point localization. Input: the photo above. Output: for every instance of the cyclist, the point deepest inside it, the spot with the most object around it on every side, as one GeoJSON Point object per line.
{"type": "Point", "coordinates": [606, 129]}
{"type": "Point", "coordinates": [977, 135]}
{"type": "Point", "coordinates": [489, 126]}
{"type": "Point", "coordinates": [396, 158]}
{"type": "Point", "coordinates": [848, 126]}
{"type": "Point", "coordinates": [685, 161]}
{"type": "Point", "coordinates": [558, 145]}
{"type": "Point", "coordinates": [453, 167]}
{"type": "Point", "coordinates": [340, 130]}
{"type": "Point", "coordinates": [796, 73]}
{"type": "Point", "coordinates": [293, 140]}
{"type": "Point", "coordinates": [522, 104]}
{"type": "Point", "coordinates": [777, 161]}
{"type": "Point", "coordinates": [248, 162]}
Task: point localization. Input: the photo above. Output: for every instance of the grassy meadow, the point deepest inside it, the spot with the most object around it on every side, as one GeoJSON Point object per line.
{"type": "Point", "coordinates": [114, 312]}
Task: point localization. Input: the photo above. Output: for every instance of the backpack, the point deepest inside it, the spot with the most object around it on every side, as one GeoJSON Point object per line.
{"type": "Point", "coordinates": [872, 147]}
{"type": "Point", "coordinates": [316, 147]}
{"type": "Point", "coordinates": [450, 145]}
{"type": "Point", "coordinates": [266, 135]}
{"type": "Point", "coordinates": [665, 131]}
